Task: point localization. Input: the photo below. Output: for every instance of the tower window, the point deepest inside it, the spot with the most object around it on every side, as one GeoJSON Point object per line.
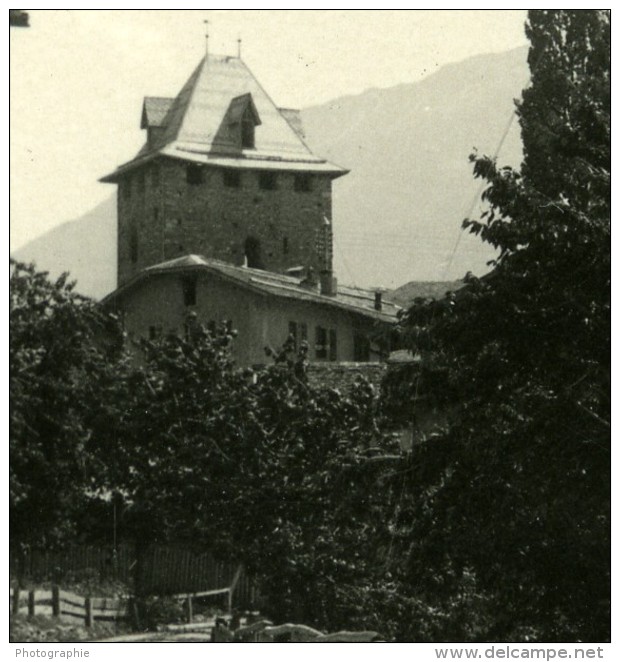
{"type": "Point", "coordinates": [155, 175]}
{"type": "Point", "coordinates": [285, 245]}
{"type": "Point", "coordinates": [189, 290]}
{"type": "Point", "coordinates": [133, 244]}
{"type": "Point", "coordinates": [268, 181]}
{"type": "Point", "coordinates": [141, 183]}
{"type": "Point", "coordinates": [194, 175]}
{"type": "Point", "coordinates": [232, 178]}
{"type": "Point", "coordinates": [303, 183]}
{"type": "Point", "coordinates": [253, 253]}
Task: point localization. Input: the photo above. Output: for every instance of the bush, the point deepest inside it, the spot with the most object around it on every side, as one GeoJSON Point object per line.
{"type": "Point", "coordinates": [157, 610]}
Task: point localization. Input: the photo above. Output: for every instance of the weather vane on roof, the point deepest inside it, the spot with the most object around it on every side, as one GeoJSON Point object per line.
{"type": "Point", "coordinates": [239, 46]}
{"type": "Point", "coordinates": [206, 22]}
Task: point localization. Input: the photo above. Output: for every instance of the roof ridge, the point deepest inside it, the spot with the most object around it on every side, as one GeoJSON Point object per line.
{"type": "Point", "coordinates": [196, 75]}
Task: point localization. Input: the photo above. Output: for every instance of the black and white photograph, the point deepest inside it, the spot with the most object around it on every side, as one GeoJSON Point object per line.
{"type": "Point", "coordinates": [310, 332]}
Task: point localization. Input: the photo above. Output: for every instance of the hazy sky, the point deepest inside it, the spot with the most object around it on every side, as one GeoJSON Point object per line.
{"type": "Point", "coordinates": [78, 79]}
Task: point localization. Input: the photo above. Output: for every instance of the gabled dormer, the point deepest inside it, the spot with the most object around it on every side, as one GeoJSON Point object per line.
{"type": "Point", "coordinates": [154, 111]}
{"type": "Point", "coordinates": [242, 119]}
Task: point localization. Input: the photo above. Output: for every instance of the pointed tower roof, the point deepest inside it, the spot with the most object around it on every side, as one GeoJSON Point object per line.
{"type": "Point", "coordinates": [202, 124]}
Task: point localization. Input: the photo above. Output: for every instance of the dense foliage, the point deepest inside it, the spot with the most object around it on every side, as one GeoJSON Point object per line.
{"type": "Point", "coordinates": [494, 527]}
{"type": "Point", "coordinates": [62, 353]}
{"type": "Point", "coordinates": [517, 490]}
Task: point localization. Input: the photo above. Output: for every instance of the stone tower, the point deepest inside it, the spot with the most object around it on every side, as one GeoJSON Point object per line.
{"type": "Point", "coordinates": [226, 174]}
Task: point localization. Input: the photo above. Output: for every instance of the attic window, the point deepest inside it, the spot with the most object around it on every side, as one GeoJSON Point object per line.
{"type": "Point", "coordinates": [247, 131]}
{"type": "Point", "coordinates": [267, 181]}
{"type": "Point", "coordinates": [194, 175]}
{"type": "Point", "coordinates": [242, 118]}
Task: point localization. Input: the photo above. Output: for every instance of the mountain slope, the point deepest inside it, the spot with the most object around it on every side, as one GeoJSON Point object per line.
{"type": "Point", "coordinates": [86, 247]}
{"type": "Point", "coordinates": [397, 215]}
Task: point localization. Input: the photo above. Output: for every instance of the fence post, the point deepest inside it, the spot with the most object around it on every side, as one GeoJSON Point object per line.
{"type": "Point", "coordinates": [30, 603]}
{"type": "Point", "coordinates": [16, 600]}
{"type": "Point", "coordinates": [89, 611]}
{"type": "Point", "coordinates": [56, 601]}
{"type": "Point", "coordinates": [190, 609]}
{"type": "Point", "coordinates": [229, 600]}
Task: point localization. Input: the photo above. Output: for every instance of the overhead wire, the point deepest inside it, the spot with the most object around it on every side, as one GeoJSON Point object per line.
{"type": "Point", "coordinates": [447, 267]}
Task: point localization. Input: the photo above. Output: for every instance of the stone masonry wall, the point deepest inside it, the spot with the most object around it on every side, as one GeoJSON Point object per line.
{"type": "Point", "coordinates": [166, 216]}
{"type": "Point", "coordinates": [342, 376]}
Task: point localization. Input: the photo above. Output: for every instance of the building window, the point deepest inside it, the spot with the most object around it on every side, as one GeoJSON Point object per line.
{"type": "Point", "coordinates": [292, 333]}
{"type": "Point", "coordinates": [155, 214]}
{"type": "Point", "coordinates": [194, 175]}
{"type": "Point", "coordinates": [333, 345]}
{"type": "Point", "coordinates": [361, 348]}
{"type": "Point", "coordinates": [189, 290]}
{"type": "Point", "coordinates": [321, 343]}
{"type": "Point", "coordinates": [326, 344]}
{"type": "Point", "coordinates": [267, 181]}
{"type": "Point", "coordinates": [155, 332]}
{"type": "Point", "coordinates": [232, 178]}
{"type": "Point", "coordinates": [285, 245]}
{"type": "Point", "coordinates": [299, 333]}
{"type": "Point", "coordinates": [133, 244]}
{"type": "Point", "coordinates": [303, 183]}
{"type": "Point", "coordinates": [126, 188]}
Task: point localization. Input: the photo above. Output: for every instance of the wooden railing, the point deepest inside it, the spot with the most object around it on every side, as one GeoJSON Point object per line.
{"type": "Point", "coordinates": [64, 604]}
{"type": "Point", "coordinates": [164, 570]}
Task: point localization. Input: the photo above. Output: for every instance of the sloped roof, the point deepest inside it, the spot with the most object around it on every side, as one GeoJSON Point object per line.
{"type": "Point", "coordinates": [238, 106]}
{"type": "Point", "coordinates": [293, 117]}
{"type": "Point", "coordinates": [353, 299]}
{"type": "Point", "coordinates": [154, 111]}
{"type": "Point", "coordinates": [197, 128]}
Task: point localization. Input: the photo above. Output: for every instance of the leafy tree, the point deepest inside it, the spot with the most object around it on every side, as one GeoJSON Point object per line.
{"type": "Point", "coordinates": [258, 467]}
{"type": "Point", "coordinates": [515, 494]}
{"type": "Point", "coordinates": [62, 356]}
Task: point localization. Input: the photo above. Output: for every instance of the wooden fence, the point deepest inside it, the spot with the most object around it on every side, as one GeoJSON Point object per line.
{"type": "Point", "coordinates": [164, 570]}
{"type": "Point", "coordinates": [65, 605]}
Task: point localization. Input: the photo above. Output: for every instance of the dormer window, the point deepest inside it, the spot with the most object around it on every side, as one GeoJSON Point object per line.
{"type": "Point", "coordinates": [247, 131]}
{"type": "Point", "coordinates": [242, 118]}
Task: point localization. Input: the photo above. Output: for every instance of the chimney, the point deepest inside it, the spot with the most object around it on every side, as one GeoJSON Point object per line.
{"type": "Point", "coordinates": [310, 282]}
{"type": "Point", "coordinates": [329, 284]}
{"type": "Point", "coordinates": [378, 301]}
